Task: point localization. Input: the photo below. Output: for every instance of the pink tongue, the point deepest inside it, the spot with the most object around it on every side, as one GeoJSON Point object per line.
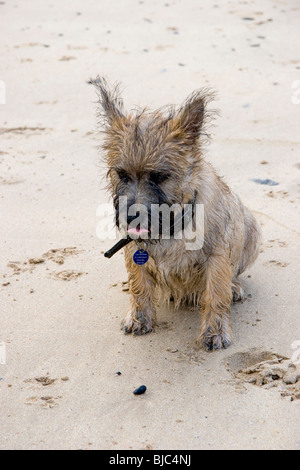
{"type": "Point", "coordinates": [137, 231]}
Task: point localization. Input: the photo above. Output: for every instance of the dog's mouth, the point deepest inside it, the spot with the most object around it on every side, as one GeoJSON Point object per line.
{"type": "Point", "coordinates": [139, 233]}
{"type": "Point", "coordinates": [137, 230]}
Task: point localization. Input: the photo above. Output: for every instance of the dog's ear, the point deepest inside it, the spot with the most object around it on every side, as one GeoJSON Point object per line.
{"type": "Point", "coordinates": [110, 101]}
{"type": "Point", "coordinates": [189, 122]}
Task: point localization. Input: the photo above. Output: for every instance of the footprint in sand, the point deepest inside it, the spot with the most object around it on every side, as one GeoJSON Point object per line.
{"type": "Point", "coordinates": [267, 370]}
{"type": "Point", "coordinates": [57, 255]}
{"type": "Point", "coordinates": [67, 275]}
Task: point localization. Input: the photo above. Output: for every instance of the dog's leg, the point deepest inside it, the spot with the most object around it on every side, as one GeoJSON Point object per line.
{"type": "Point", "coordinates": [215, 331]}
{"type": "Point", "coordinates": [237, 291]}
{"type": "Point", "coordinates": [140, 318]}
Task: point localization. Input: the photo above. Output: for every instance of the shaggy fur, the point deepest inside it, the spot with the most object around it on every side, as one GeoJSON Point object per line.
{"type": "Point", "coordinates": [157, 157]}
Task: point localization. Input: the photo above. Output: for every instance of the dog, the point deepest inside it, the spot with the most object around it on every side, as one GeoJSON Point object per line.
{"type": "Point", "coordinates": [155, 158]}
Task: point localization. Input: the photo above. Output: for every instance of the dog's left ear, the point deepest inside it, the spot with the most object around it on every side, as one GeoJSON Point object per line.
{"type": "Point", "coordinates": [189, 121]}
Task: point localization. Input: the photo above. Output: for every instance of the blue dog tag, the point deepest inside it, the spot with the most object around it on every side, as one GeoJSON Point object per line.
{"type": "Point", "coordinates": [140, 257]}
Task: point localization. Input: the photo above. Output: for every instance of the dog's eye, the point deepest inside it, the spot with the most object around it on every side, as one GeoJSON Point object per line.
{"type": "Point", "coordinates": [158, 177]}
{"type": "Point", "coordinates": [123, 175]}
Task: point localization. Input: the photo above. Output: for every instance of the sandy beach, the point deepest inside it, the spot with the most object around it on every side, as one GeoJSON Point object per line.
{"type": "Point", "coordinates": [62, 302]}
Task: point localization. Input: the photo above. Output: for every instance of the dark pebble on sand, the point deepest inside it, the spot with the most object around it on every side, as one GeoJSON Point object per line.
{"type": "Point", "coordinates": [140, 390]}
{"type": "Point", "coordinates": [267, 181]}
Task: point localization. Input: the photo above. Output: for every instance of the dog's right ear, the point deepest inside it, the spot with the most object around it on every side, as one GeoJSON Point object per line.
{"type": "Point", "coordinates": [110, 101]}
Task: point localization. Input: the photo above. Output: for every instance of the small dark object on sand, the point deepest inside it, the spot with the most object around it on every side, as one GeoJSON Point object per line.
{"type": "Point", "coordinates": [266, 181]}
{"type": "Point", "coordinates": [140, 390]}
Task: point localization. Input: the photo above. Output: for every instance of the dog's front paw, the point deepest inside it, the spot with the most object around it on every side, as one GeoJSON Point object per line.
{"type": "Point", "coordinates": [211, 340]}
{"type": "Point", "coordinates": [137, 322]}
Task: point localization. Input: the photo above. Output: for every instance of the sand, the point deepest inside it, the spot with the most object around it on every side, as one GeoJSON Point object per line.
{"type": "Point", "coordinates": [61, 346]}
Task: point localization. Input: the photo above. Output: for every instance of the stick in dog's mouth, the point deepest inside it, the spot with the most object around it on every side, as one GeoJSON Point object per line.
{"type": "Point", "coordinates": [117, 247]}
{"type": "Point", "coordinates": [121, 243]}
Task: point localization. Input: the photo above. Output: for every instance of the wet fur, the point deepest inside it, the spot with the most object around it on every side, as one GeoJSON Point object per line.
{"type": "Point", "coordinates": [169, 141]}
